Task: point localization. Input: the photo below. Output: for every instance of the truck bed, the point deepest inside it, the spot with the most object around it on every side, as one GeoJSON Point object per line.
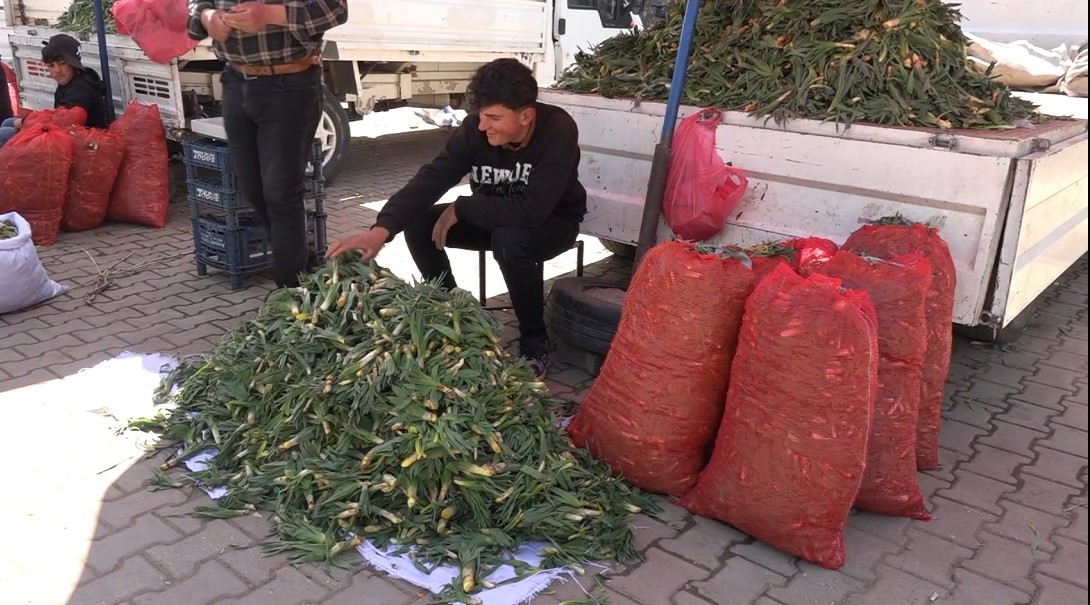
{"type": "Point", "coordinates": [1011, 204]}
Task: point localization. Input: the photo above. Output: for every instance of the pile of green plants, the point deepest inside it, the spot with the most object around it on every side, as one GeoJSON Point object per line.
{"type": "Point", "coordinates": [360, 406]}
{"type": "Point", "coordinates": [901, 62]}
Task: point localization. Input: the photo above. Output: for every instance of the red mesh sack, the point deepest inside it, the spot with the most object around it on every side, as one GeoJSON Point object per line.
{"type": "Point", "coordinates": [141, 193]}
{"type": "Point", "coordinates": [12, 90]}
{"type": "Point", "coordinates": [65, 117]}
{"type": "Point", "coordinates": [96, 158]}
{"type": "Point", "coordinates": [34, 166]}
{"type": "Point", "coordinates": [791, 450]}
{"type": "Point", "coordinates": [655, 406]}
{"type": "Point", "coordinates": [810, 251]}
{"type": "Point", "coordinates": [701, 190]}
{"type": "Point", "coordinates": [898, 289]}
{"type": "Point", "coordinates": [890, 240]}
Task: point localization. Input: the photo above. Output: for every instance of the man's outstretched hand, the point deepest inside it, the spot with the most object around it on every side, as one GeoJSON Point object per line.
{"type": "Point", "coordinates": [369, 243]}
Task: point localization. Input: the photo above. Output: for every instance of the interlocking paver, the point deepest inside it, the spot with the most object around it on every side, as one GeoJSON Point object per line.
{"type": "Point", "coordinates": [1006, 561]}
{"type": "Point", "coordinates": [212, 581]}
{"type": "Point", "coordinates": [974, 589]}
{"type": "Point", "coordinates": [705, 543]}
{"type": "Point", "coordinates": [816, 587]}
{"type": "Point", "coordinates": [764, 555]}
{"type": "Point", "coordinates": [661, 575]}
{"type": "Point", "coordinates": [1074, 416]}
{"type": "Point", "coordinates": [252, 564]}
{"type": "Point", "coordinates": [977, 491]}
{"type": "Point", "coordinates": [1077, 529]}
{"type": "Point", "coordinates": [929, 557]}
{"type": "Point", "coordinates": [368, 588]}
{"type": "Point", "coordinates": [1028, 415]}
{"type": "Point", "coordinates": [134, 576]}
{"type": "Point", "coordinates": [1058, 592]}
{"type": "Point", "coordinates": [1043, 395]}
{"type": "Point", "coordinates": [182, 558]}
{"type": "Point", "coordinates": [1059, 378]}
{"type": "Point", "coordinates": [959, 437]}
{"type": "Point", "coordinates": [1057, 466]}
{"type": "Point", "coordinates": [288, 587]}
{"type": "Point", "coordinates": [146, 532]}
{"type": "Point", "coordinates": [1013, 438]}
{"type": "Point", "coordinates": [1067, 440]}
{"type": "Point", "coordinates": [648, 531]}
{"type": "Point", "coordinates": [740, 581]}
{"type": "Point", "coordinates": [896, 586]}
{"type": "Point", "coordinates": [995, 464]}
{"type": "Point", "coordinates": [1028, 525]}
{"type": "Point", "coordinates": [132, 508]}
{"type": "Point", "coordinates": [1069, 563]}
{"type": "Point", "coordinates": [956, 522]}
{"type": "Point", "coordinates": [1042, 494]}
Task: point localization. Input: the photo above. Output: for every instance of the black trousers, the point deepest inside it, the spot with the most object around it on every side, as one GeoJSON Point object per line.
{"type": "Point", "coordinates": [519, 251]}
{"type": "Point", "coordinates": [270, 123]}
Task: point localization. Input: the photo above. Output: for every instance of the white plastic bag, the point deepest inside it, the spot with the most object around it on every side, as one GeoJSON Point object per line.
{"type": "Point", "coordinates": [23, 280]}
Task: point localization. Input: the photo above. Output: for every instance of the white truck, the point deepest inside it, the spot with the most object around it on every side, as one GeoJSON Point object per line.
{"type": "Point", "coordinates": [389, 53]}
{"type": "Point", "coordinates": [1011, 205]}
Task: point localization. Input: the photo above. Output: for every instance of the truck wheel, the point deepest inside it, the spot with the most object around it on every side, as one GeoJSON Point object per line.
{"type": "Point", "coordinates": [626, 251]}
{"type": "Point", "coordinates": [585, 311]}
{"type": "Point", "coordinates": [335, 135]}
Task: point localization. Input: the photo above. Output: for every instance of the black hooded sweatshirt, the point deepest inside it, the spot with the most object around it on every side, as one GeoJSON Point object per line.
{"type": "Point", "coordinates": [86, 91]}
{"type": "Point", "coordinates": [509, 187]}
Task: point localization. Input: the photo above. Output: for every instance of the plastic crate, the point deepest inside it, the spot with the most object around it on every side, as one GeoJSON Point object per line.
{"type": "Point", "coordinates": [208, 153]}
{"type": "Point", "coordinates": [246, 249]}
{"type": "Point", "coordinates": [216, 195]}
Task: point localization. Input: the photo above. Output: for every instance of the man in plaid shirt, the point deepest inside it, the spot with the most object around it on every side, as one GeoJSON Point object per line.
{"type": "Point", "coordinates": [272, 102]}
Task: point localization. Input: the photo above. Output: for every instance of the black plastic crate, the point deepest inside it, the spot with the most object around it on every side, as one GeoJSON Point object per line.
{"type": "Point", "coordinates": [208, 153]}
{"type": "Point", "coordinates": [215, 194]}
{"type": "Point", "coordinates": [245, 249]}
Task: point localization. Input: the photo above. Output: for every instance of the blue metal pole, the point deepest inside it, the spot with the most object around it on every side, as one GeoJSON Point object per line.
{"type": "Point", "coordinates": [660, 165]}
{"type": "Point", "coordinates": [104, 59]}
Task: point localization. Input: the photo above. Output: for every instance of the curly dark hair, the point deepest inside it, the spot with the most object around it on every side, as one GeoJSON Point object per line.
{"type": "Point", "coordinates": [504, 82]}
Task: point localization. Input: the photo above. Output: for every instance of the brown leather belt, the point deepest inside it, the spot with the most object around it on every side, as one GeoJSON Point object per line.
{"type": "Point", "coordinates": [277, 70]}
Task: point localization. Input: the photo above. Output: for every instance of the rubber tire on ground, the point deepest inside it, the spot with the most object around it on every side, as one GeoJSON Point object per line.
{"type": "Point", "coordinates": [332, 110]}
{"type": "Point", "coordinates": [626, 251]}
{"type": "Point", "coordinates": [585, 311]}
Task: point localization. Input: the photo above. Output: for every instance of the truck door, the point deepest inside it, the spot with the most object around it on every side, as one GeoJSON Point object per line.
{"type": "Point", "coordinates": [578, 25]}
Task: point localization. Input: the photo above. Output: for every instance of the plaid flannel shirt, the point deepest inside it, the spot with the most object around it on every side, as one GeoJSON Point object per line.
{"type": "Point", "coordinates": [308, 21]}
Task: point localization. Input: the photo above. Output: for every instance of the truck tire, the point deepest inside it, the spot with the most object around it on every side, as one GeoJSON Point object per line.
{"type": "Point", "coordinates": [584, 311]}
{"type": "Point", "coordinates": [625, 251]}
{"type": "Point", "coordinates": [335, 135]}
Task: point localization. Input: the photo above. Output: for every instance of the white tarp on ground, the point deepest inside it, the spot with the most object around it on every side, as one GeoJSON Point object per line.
{"type": "Point", "coordinates": [1023, 66]}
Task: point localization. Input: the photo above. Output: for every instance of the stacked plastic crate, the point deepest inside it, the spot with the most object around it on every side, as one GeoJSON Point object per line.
{"type": "Point", "coordinates": [227, 235]}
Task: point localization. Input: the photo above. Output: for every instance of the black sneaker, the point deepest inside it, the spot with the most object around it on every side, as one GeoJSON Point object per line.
{"type": "Point", "coordinates": [538, 358]}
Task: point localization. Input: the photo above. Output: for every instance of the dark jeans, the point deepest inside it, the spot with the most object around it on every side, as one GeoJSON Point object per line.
{"type": "Point", "coordinates": [270, 123]}
{"type": "Point", "coordinates": [519, 251]}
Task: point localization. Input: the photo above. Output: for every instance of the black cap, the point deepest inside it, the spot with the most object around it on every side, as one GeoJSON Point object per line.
{"type": "Point", "coordinates": [63, 47]}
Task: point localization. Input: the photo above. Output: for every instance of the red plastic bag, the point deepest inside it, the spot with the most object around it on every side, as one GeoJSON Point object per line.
{"type": "Point", "coordinates": [96, 158]}
{"type": "Point", "coordinates": [34, 166]}
{"type": "Point", "coordinates": [64, 117]}
{"type": "Point", "coordinates": [890, 240]}
{"type": "Point", "coordinates": [792, 447]}
{"type": "Point", "coordinates": [157, 26]}
{"type": "Point", "coordinates": [898, 288]}
{"type": "Point", "coordinates": [656, 404]}
{"type": "Point", "coordinates": [701, 190]}
{"type": "Point", "coordinates": [141, 193]}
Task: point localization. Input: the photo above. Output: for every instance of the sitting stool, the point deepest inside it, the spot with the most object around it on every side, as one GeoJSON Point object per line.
{"type": "Point", "coordinates": [578, 247]}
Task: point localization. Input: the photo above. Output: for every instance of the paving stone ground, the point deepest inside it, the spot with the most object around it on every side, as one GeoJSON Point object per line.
{"type": "Point", "coordinates": [78, 525]}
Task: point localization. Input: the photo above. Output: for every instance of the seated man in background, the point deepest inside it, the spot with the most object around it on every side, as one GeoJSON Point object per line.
{"type": "Point", "coordinates": [522, 158]}
{"type": "Point", "coordinates": [77, 86]}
